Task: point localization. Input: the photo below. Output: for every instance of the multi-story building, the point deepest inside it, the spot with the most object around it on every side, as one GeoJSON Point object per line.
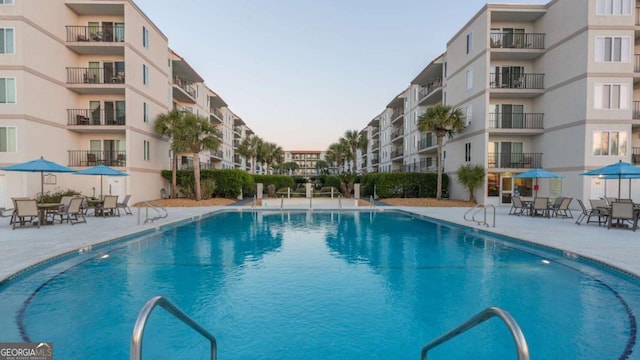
{"type": "Point", "coordinates": [549, 86]}
{"type": "Point", "coordinates": [81, 83]}
{"type": "Point", "coordinates": [306, 160]}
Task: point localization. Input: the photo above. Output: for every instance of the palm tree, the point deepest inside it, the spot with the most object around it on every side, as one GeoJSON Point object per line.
{"type": "Point", "coordinates": [471, 177]}
{"type": "Point", "coordinates": [165, 125]}
{"type": "Point", "coordinates": [249, 149]}
{"type": "Point", "coordinates": [291, 167]}
{"type": "Point", "coordinates": [196, 134]}
{"type": "Point", "coordinates": [337, 153]}
{"type": "Point", "coordinates": [443, 121]}
{"type": "Point", "coordinates": [322, 166]}
{"type": "Point", "coordinates": [355, 142]}
{"type": "Point", "coordinates": [271, 153]}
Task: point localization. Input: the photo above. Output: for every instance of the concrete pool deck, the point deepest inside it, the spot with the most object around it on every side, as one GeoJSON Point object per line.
{"type": "Point", "coordinates": [25, 247]}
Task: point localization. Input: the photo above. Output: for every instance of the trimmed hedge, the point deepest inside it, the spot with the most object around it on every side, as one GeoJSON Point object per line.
{"type": "Point", "coordinates": [229, 182]}
{"type": "Point", "coordinates": [398, 185]}
{"type": "Point", "coordinates": [329, 180]}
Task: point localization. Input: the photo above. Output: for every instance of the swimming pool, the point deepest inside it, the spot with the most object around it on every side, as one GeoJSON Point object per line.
{"type": "Point", "coordinates": [323, 285]}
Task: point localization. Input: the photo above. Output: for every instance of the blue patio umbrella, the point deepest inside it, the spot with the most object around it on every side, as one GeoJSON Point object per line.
{"type": "Point", "coordinates": [39, 165]}
{"type": "Point", "coordinates": [620, 170]}
{"type": "Point", "coordinates": [537, 174]}
{"type": "Point", "coordinates": [101, 170]}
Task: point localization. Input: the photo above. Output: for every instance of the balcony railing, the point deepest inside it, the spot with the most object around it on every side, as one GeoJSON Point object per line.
{"type": "Point", "coordinates": [397, 153]}
{"type": "Point", "coordinates": [397, 133]}
{"type": "Point", "coordinates": [217, 113]}
{"type": "Point", "coordinates": [397, 113]}
{"type": "Point", "coordinates": [94, 76]}
{"type": "Point", "coordinates": [636, 63]}
{"type": "Point", "coordinates": [636, 110]}
{"type": "Point", "coordinates": [420, 167]}
{"type": "Point", "coordinates": [375, 144]}
{"type": "Point", "coordinates": [429, 88]}
{"type": "Point", "coordinates": [638, 16]}
{"type": "Point", "coordinates": [237, 159]}
{"type": "Point", "coordinates": [516, 121]}
{"type": "Point", "coordinates": [188, 165]}
{"type": "Point", "coordinates": [97, 157]}
{"type": "Point", "coordinates": [517, 41]}
{"type": "Point", "coordinates": [375, 160]}
{"type": "Point", "coordinates": [519, 81]}
{"type": "Point", "coordinates": [635, 155]}
{"type": "Point", "coordinates": [95, 117]}
{"type": "Point", "coordinates": [217, 154]}
{"type": "Point", "coordinates": [515, 160]}
{"type": "Point", "coordinates": [186, 86]}
{"type": "Point", "coordinates": [95, 33]}
{"type": "Point", "coordinates": [427, 142]}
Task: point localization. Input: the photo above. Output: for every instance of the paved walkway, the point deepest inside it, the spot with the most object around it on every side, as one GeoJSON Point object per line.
{"type": "Point", "coordinates": [22, 248]}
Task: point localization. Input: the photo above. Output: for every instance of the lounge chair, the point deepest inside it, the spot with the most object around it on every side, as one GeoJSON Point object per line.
{"type": "Point", "coordinates": [517, 206]}
{"type": "Point", "coordinates": [563, 209]}
{"type": "Point", "coordinates": [623, 211]}
{"type": "Point", "coordinates": [73, 212]}
{"type": "Point", "coordinates": [540, 207]}
{"type": "Point", "coordinates": [110, 205]}
{"type": "Point", "coordinates": [124, 205]}
{"type": "Point", "coordinates": [585, 214]}
{"type": "Point", "coordinates": [13, 214]}
{"type": "Point", "coordinates": [556, 204]}
{"type": "Point", "coordinates": [26, 212]}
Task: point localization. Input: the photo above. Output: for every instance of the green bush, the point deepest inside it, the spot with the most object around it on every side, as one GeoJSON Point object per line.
{"type": "Point", "coordinates": [229, 183]}
{"type": "Point", "coordinates": [280, 181]}
{"type": "Point", "coordinates": [325, 191]}
{"type": "Point", "coordinates": [398, 185]}
{"type": "Point", "coordinates": [56, 196]}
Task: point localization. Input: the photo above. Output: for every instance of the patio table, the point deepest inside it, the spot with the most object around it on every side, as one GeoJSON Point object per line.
{"type": "Point", "coordinates": [44, 210]}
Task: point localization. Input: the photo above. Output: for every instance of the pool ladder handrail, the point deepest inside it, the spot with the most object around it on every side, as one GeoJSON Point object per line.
{"type": "Point", "coordinates": [143, 316]}
{"type": "Point", "coordinates": [486, 314]}
{"type": "Point", "coordinates": [155, 207]}
{"type": "Point", "coordinates": [481, 208]}
{"type": "Point", "coordinates": [372, 201]}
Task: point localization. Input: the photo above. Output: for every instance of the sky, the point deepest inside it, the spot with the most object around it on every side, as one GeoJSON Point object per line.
{"type": "Point", "coordinates": [302, 72]}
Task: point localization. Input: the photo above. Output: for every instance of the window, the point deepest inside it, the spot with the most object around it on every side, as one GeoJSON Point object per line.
{"type": "Point", "coordinates": [145, 37]}
{"type": "Point", "coordinates": [7, 139]}
{"type": "Point", "coordinates": [6, 41]}
{"type": "Point", "coordinates": [469, 42]}
{"type": "Point", "coordinates": [613, 49]}
{"type": "Point", "coordinates": [6, 2]}
{"type": "Point", "coordinates": [468, 113]}
{"type": "Point", "coordinates": [609, 143]}
{"type": "Point", "coordinates": [467, 152]}
{"type": "Point", "coordinates": [611, 96]}
{"type": "Point", "coordinates": [145, 74]}
{"type": "Point", "coordinates": [146, 150]}
{"type": "Point", "coordinates": [469, 79]}
{"type": "Point", "coordinates": [7, 91]}
{"type": "Point", "coordinates": [145, 112]}
{"type": "Point", "coordinates": [613, 7]}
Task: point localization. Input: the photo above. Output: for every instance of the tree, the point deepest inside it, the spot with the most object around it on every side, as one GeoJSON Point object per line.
{"type": "Point", "coordinates": [354, 141]}
{"type": "Point", "coordinates": [291, 167]}
{"type": "Point", "coordinates": [166, 125]}
{"type": "Point", "coordinates": [471, 177]}
{"type": "Point", "coordinates": [322, 167]}
{"type": "Point", "coordinates": [337, 154]}
{"type": "Point", "coordinates": [196, 134]}
{"type": "Point", "coordinates": [271, 153]}
{"type": "Point", "coordinates": [248, 148]}
{"type": "Point", "coordinates": [443, 121]}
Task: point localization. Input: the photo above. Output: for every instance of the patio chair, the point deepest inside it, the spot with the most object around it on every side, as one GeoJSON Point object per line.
{"type": "Point", "coordinates": [73, 212]}
{"type": "Point", "coordinates": [563, 210]}
{"type": "Point", "coordinates": [623, 211]}
{"type": "Point", "coordinates": [110, 205]}
{"type": "Point", "coordinates": [26, 212]}
{"type": "Point", "coordinates": [541, 207]}
{"type": "Point", "coordinates": [517, 207]}
{"type": "Point", "coordinates": [124, 205]}
{"type": "Point", "coordinates": [13, 214]}
{"type": "Point", "coordinates": [585, 214]}
{"type": "Point", "coordinates": [600, 208]}
{"type": "Point", "coordinates": [555, 206]}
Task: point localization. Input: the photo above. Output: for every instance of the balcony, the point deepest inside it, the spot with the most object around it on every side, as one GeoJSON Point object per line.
{"type": "Point", "coordinates": [375, 144]}
{"type": "Point", "coordinates": [96, 80]}
{"type": "Point", "coordinates": [397, 153]}
{"type": "Point", "coordinates": [515, 160]}
{"type": "Point", "coordinates": [427, 142]}
{"type": "Point", "coordinates": [98, 117]}
{"type": "Point", "coordinates": [236, 143]}
{"type": "Point", "coordinates": [506, 85]}
{"type": "Point", "coordinates": [217, 154]}
{"type": "Point", "coordinates": [518, 46]}
{"type": "Point", "coordinates": [97, 157]}
{"type": "Point", "coordinates": [636, 63]}
{"type": "Point", "coordinates": [217, 115]}
{"type": "Point", "coordinates": [397, 133]}
{"type": "Point", "coordinates": [237, 159]}
{"type": "Point", "coordinates": [96, 40]}
{"type": "Point", "coordinates": [375, 160]}
{"type": "Point", "coordinates": [516, 121]}
{"type": "Point", "coordinates": [375, 132]}
{"type": "Point", "coordinates": [183, 90]}
{"type": "Point", "coordinates": [397, 114]}
{"type": "Point", "coordinates": [425, 92]}
{"type": "Point", "coordinates": [635, 115]}
{"type": "Point", "coordinates": [635, 155]}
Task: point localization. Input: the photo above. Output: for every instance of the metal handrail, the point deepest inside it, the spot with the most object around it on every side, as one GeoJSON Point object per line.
{"type": "Point", "coordinates": [155, 207]}
{"type": "Point", "coordinates": [372, 201]}
{"type": "Point", "coordinates": [486, 314]}
{"type": "Point", "coordinates": [481, 208]}
{"type": "Point", "coordinates": [143, 316]}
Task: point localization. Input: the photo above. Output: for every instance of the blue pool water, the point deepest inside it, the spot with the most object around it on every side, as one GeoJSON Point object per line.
{"type": "Point", "coordinates": [322, 285]}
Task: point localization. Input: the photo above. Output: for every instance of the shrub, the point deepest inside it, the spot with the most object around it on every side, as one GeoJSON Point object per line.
{"type": "Point", "coordinates": [279, 181]}
{"type": "Point", "coordinates": [56, 196]}
{"type": "Point", "coordinates": [228, 183]}
{"type": "Point", "coordinates": [388, 185]}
